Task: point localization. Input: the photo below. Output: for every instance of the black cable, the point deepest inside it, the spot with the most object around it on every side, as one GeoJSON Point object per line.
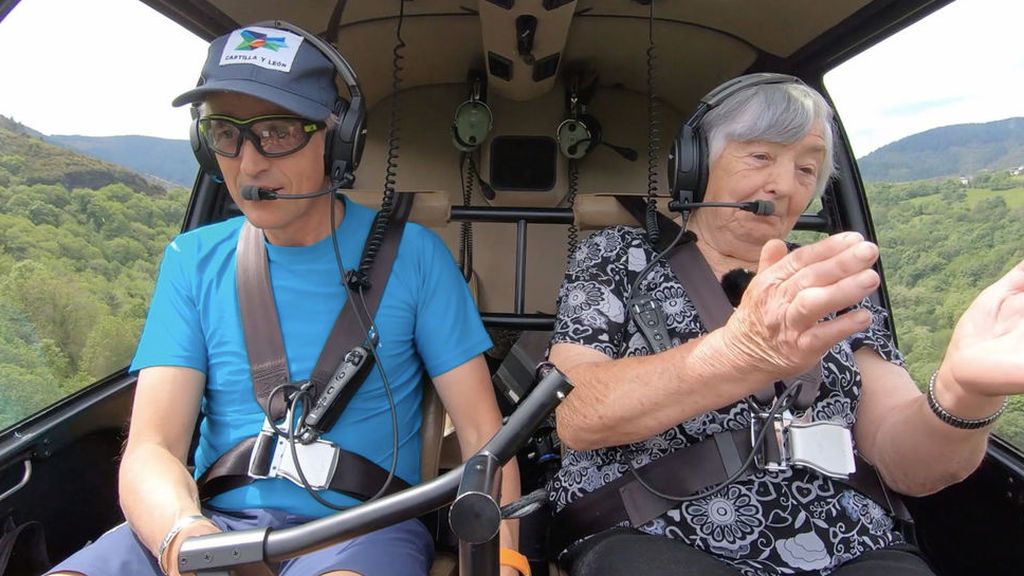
{"type": "Point", "coordinates": [270, 402]}
{"type": "Point", "coordinates": [387, 205]}
{"type": "Point", "coordinates": [467, 169]}
{"type": "Point", "coordinates": [781, 404]}
{"type": "Point", "coordinates": [304, 397]}
{"type": "Point", "coordinates": [372, 339]}
{"type": "Point", "coordinates": [573, 188]}
{"type": "Point", "coordinates": [653, 138]}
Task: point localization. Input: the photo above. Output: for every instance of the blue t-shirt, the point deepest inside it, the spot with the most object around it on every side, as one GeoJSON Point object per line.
{"type": "Point", "coordinates": [426, 320]}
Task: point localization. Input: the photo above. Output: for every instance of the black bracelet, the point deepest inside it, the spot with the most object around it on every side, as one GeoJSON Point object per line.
{"type": "Point", "coordinates": [956, 421]}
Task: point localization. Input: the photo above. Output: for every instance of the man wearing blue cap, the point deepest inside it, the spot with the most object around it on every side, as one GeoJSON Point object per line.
{"type": "Point", "coordinates": [271, 124]}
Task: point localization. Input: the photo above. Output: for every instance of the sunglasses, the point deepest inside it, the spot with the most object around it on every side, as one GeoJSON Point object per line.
{"type": "Point", "coordinates": [273, 136]}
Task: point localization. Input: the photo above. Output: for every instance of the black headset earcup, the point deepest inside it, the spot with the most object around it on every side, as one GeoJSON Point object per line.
{"type": "Point", "coordinates": [687, 176]}
{"type": "Point", "coordinates": [205, 157]}
{"type": "Point", "coordinates": [594, 127]}
{"type": "Point", "coordinates": [343, 145]}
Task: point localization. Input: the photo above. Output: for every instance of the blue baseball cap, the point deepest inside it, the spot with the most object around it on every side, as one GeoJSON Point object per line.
{"type": "Point", "coordinates": [270, 64]}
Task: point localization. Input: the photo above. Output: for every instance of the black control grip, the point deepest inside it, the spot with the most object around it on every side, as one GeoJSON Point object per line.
{"type": "Point", "coordinates": [340, 388]}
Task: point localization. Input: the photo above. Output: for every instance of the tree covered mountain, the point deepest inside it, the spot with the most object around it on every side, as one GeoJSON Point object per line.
{"type": "Point", "coordinates": [26, 157]}
{"type": "Point", "coordinates": [963, 149]}
{"type": "Point", "coordinates": [170, 160]}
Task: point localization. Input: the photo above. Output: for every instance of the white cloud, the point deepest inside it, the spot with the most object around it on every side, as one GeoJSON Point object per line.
{"type": "Point", "coordinates": [58, 68]}
{"type": "Point", "coordinates": [961, 64]}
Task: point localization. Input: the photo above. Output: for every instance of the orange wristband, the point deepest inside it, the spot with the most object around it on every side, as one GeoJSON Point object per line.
{"type": "Point", "coordinates": [510, 557]}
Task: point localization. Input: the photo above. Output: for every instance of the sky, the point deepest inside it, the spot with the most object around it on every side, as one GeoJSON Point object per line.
{"type": "Point", "coordinates": [962, 64]}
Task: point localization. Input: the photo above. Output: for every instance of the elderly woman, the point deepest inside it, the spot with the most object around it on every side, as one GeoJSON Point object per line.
{"type": "Point", "coordinates": [803, 308]}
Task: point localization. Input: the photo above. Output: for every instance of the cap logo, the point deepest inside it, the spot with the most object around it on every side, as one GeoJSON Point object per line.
{"type": "Point", "coordinates": [268, 48]}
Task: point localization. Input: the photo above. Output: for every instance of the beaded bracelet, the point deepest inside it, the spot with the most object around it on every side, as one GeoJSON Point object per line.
{"type": "Point", "coordinates": [956, 421]}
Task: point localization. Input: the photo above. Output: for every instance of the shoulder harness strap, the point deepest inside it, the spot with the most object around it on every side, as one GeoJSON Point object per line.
{"type": "Point", "coordinates": [269, 365]}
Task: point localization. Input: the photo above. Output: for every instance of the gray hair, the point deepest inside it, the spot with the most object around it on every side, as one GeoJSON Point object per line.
{"type": "Point", "coordinates": [782, 113]}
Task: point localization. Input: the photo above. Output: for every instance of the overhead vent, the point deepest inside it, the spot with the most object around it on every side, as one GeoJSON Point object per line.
{"type": "Point", "coordinates": [546, 67]}
{"type": "Point", "coordinates": [499, 67]}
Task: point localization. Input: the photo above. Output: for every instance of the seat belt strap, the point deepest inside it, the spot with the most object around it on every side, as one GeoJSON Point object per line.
{"type": "Point", "coordinates": [681, 474]}
{"type": "Point", "coordinates": [261, 325]}
{"type": "Point", "coordinates": [355, 475]}
{"type": "Point", "coordinates": [269, 365]}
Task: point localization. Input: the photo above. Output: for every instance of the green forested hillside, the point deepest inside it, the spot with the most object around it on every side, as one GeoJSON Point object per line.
{"type": "Point", "coordinates": [80, 241]}
{"type": "Point", "coordinates": [941, 244]}
{"type": "Point", "coordinates": [169, 160]}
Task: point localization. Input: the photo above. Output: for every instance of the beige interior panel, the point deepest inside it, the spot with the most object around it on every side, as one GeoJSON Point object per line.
{"type": "Point", "coordinates": [429, 161]}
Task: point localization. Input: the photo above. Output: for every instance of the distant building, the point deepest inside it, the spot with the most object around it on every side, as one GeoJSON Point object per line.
{"type": "Point", "coordinates": [965, 181]}
{"type": "Point", "coordinates": [1017, 171]}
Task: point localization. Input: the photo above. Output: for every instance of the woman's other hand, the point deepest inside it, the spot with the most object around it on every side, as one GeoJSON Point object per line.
{"type": "Point", "coordinates": [986, 353]}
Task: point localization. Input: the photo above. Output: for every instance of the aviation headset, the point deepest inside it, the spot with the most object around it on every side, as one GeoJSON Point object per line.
{"type": "Point", "coordinates": [688, 159]}
{"type": "Point", "coordinates": [343, 144]}
{"type": "Point", "coordinates": [473, 119]}
{"type": "Point", "coordinates": [578, 135]}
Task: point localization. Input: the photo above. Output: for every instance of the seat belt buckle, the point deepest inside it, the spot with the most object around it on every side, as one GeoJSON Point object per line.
{"type": "Point", "coordinates": [272, 457]}
{"type": "Point", "coordinates": [826, 447]}
{"type": "Point", "coordinates": [318, 461]}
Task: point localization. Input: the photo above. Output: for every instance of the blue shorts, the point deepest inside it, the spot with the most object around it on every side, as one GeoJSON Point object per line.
{"type": "Point", "coordinates": [402, 549]}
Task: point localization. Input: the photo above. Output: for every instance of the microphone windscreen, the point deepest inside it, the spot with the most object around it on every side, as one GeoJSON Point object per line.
{"type": "Point", "coordinates": [764, 207]}
{"type": "Point", "coordinates": [250, 193]}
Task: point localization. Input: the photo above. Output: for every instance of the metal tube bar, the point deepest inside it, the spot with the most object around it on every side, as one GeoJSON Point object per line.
{"type": "Point", "coordinates": [520, 294]}
{"type": "Point", "coordinates": [511, 215]}
{"type": "Point", "coordinates": [518, 321]}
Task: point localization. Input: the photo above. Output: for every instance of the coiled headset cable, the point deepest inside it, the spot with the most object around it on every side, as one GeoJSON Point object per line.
{"type": "Point", "coordinates": [573, 240]}
{"type": "Point", "coordinates": [467, 168]}
{"type": "Point", "coordinates": [653, 138]}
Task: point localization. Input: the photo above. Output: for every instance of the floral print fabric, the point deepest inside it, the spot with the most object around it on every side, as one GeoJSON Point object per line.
{"type": "Point", "coordinates": [768, 523]}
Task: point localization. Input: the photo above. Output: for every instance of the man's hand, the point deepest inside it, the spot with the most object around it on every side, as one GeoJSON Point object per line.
{"type": "Point", "coordinates": [777, 328]}
{"type": "Point", "coordinates": [985, 356]}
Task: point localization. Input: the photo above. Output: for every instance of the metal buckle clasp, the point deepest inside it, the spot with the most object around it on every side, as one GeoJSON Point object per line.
{"type": "Point", "coordinates": [826, 447]}
{"type": "Point", "coordinates": [823, 446]}
{"type": "Point", "coordinates": [775, 437]}
{"type": "Point", "coordinates": [272, 457]}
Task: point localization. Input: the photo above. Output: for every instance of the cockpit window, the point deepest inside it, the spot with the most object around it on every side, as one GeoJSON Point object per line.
{"type": "Point", "coordinates": [92, 188]}
{"type": "Point", "coordinates": [935, 126]}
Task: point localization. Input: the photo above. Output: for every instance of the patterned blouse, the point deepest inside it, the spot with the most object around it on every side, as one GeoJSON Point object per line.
{"type": "Point", "coordinates": [768, 523]}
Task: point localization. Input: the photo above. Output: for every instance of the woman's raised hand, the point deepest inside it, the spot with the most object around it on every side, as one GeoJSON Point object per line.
{"type": "Point", "coordinates": [778, 328]}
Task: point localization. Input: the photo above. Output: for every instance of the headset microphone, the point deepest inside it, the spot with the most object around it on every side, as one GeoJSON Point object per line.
{"type": "Point", "coordinates": [256, 193]}
{"type": "Point", "coordinates": [757, 207]}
